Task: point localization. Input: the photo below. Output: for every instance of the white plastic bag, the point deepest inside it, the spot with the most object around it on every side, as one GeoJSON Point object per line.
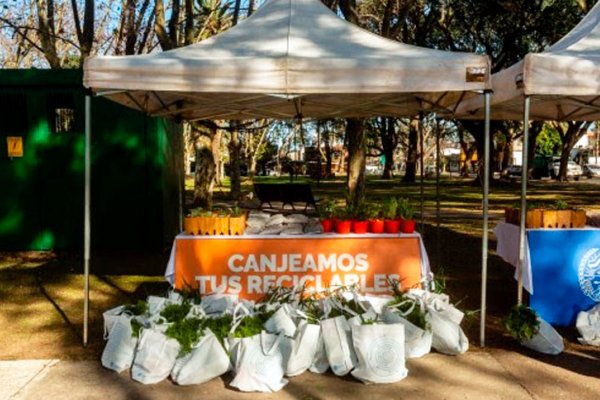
{"type": "Point", "coordinates": [218, 303]}
{"type": "Point", "coordinates": [448, 336]}
{"type": "Point", "coordinates": [296, 219]}
{"type": "Point", "coordinates": [206, 361]}
{"type": "Point", "coordinates": [155, 357]}
{"type": "Point", "coordinates": [588, 325]}
{"type": "Point", "coordinates": [281, 321]}
{"type": "Point", "coordinates": [156, 304]}
{"type": "Point", "coordinates": [292, 229]}
{"type": "Point", "coordinates": [304, 347]}
{"type": "Point", "coordinates": [109, 317]}
{"type": "Point", "coordinates": [175, 297]}
{"type": "Point", "coordinates": [380, 352]}
{"type": "Point", "coordinates": [258, 366]}
{"type": "Point", "coordinates": [417, 341]}
{"type": "Point", "coordinates": [119, 351]}
{"type": "Point", "coordinates": [276, 220]}
{"type": "Point", "coordinates": [320, 364]}
{"type": "Point", "coordinates": [337, 337]}
{"type": "Point", "coordinates": [546, 341]}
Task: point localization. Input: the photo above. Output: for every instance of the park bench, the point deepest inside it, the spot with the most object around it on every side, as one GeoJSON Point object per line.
{"type": "Point", "coordinates": [285, 194]}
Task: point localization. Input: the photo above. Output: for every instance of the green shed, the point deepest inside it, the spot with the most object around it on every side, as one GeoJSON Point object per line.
{"type": "Point", "coordinates": [137, 163]}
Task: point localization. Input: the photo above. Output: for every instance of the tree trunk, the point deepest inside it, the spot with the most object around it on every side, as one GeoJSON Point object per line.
{"type": "Point", "coordinates": [534, 131]}
{"type": "Point", "coordinates": [46, 33]}
{"type": "Point", "coordinates": [476, 128]}
{"type": "Point", "coordinates": [507, 152]}
{"type": "Point", "coordinates": [389, 145]}
{"type": "Point", "coordinates": [206, 169]}
{"type": "Point", "coordinates": [204, 178]}
{"type": "Point", "coordinates": [326, 137]}
{"type": "Point", "coordinates": [215, 146]}
{"type": "Point", "coordinates": [357, 159]}
{"type": "Point", "coordinates": [235, 152]}
{"type": "Point", "coordinates": [570, 133]}
{"type": "Point", "coordinates": [256, 154]}
{"type": "Point", "coordinates": [412, 152]}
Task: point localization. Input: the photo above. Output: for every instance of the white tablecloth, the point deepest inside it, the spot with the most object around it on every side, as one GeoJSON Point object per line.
{"type": "Point", "coordinates": [170, 271]}
{"type": "Point", "coordinates": [508, 249]}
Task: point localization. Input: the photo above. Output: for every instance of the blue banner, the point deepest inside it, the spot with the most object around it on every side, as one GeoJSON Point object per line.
{"type": "Point", "coordinates": [565, 266]}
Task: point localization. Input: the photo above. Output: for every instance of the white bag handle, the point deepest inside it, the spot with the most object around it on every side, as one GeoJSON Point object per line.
{"type": "Point", "coordinates": [396, 307]}
{"type": "Point", "coordinates": [274, 346]}
{"type": "Point", "coordinates": [342, 307]}
{"type": "Point", "coordinates": [239, 313]}
{"type": "Point", "coordinates": [196, 310]}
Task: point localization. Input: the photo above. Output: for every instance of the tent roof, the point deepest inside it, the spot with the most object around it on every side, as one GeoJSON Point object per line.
{"type": "Point", "coordinates": [292, 57]}
{"type": "Point", "coordinates": [563, 81]}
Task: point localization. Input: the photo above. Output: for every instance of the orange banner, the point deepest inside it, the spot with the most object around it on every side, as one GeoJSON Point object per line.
{"type": "Point", "coordinates": [249, 267]}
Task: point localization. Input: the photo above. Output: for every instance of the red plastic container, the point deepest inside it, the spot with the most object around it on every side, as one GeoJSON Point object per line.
{"type": "Point", "coordinates": [392, 226]}
{"type": "Point", "coordinates": [343, 226]}
{"type": "Point", "coordinates": [360, 226]}
{"type": "Point", "coordinates": [327, 225]}
{"type": "Point", "coordinates": [376, 226]}
{"type": "Point", "coordinates": [408, 225]}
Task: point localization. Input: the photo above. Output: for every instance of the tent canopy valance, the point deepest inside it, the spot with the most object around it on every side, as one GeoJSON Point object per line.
{"type": "Point", "coordinates": [563, 82]}
{"type": "Point", "coordinates": [290, 58]}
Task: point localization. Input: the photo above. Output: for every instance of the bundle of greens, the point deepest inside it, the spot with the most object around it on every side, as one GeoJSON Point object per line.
{"type": "Point", "coordinates": [187, 332]}
{"type": "Point", "coordinates": [220, 326]}
{"type": "Point", "coordinates": [136, 326]}
{"type": "Point", "coordinates": [522, 323]}
{"type": "Point", "coordinates": [176, 312]}
{"type": "Point", "coordinates": [309, 305]}
{"type": "Point", "coordinates": [138, 308]}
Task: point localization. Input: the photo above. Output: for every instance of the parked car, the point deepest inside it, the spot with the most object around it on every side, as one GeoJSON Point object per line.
{"type": "Point", "coordinates": [573, 170]}
{"type": "Point", "coordinates": [591, 170]}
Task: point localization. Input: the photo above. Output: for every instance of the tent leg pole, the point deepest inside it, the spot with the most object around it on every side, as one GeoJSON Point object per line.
{"type": "Point", "coordinates": [524, 176]}
{"type": "Point", "coordinates": [86, 218]}
{"type": "Point", "coordinates": [181, 184]}
{"type": "Point", "coordinates": [438, 170]}
{"type": "Point", "coordinates": [484, 242]}
{"type": "Point", "coordinates": [421, 151]}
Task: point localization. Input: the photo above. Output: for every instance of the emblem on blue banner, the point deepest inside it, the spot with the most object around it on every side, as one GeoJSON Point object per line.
{"type": "Point", "coordinates": [589, 274]}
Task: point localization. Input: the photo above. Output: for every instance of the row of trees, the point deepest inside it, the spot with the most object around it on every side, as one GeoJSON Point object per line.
{"type": "Point", "coordinates": [60, 34]}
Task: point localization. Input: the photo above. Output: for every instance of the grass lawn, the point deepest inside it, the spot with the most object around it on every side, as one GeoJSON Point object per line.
{"type": "Point", "coordinates": [41, 293]}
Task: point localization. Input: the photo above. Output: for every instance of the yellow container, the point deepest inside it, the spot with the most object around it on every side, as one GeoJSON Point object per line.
{"type": "Point", "coordinates": [237, 225]}
{"type": "Point", "coordinates": [190, 225]}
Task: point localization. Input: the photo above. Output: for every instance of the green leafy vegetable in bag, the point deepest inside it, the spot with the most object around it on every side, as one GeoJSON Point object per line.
{"type": "Point", "coordinates": [252, 324]}
{"type": "Point", "coordinates": [138, 308]}
{"type": "Point", "coordinates": [220, 326]}
{"type": "Point", "coordinates": [522, 323]}
{"type": "Point", "coordinates": [136, 326]}
{"type": "Point", "coordinates": [175, 312]}
{"type": "Point", "coordinates": [187, 332]}
{"type": "Point", "coordinates": [416, 316]}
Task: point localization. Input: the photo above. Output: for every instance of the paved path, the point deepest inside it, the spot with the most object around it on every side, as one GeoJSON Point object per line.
{"type": "Point", "coordinates": [493, 374]}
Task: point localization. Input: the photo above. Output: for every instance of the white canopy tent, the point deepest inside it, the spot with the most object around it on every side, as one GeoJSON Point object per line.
{"type": "Point", "coordinates": [291, 58]}
{"type": "Point", "coordinates": [561, 83]}
{"type": "Point", "coordinates": [289, 50]}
